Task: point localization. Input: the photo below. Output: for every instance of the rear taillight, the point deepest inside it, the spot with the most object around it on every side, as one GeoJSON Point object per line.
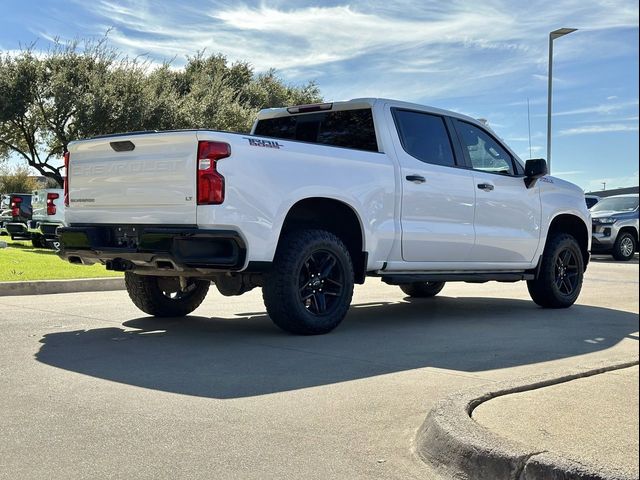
{"type": "Point", "coordinates": [51, 206]}
{"type": "Point", "coordinates": [66, 179]}
{"type": "Point", "coordinates": [210, 181]}
{"type": "Point", "coordinates": [15, 206]}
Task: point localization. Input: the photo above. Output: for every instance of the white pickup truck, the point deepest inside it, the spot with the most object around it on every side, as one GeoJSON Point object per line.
{"type": "Point", "coordinates": [315, 199]}
{"type": "Point", "coordinates": [48, 215]}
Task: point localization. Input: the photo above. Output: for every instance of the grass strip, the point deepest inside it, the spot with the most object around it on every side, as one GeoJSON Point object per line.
{"type": "Point", "coordinates": [21, 261]}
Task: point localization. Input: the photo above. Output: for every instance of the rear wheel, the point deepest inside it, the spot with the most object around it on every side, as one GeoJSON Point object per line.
{"type": "Point", "coordinates": [422, 289]}
{"type": "Point", "coordinates": [624, 247]}
{"type": "Point", "coordinates": [165, 296]}
{"type": "Point", "coordinates": [560, 277]}
{"type": "Point", "coordinates": [309, 288]}
{"type": "Point", "coordinates": [38, 241]}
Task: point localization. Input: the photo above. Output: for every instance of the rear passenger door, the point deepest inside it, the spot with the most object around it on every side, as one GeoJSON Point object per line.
{"type": "Point", "coordinates": [507, 214]}
{"type": "Point", "coordinates": [437, 205]}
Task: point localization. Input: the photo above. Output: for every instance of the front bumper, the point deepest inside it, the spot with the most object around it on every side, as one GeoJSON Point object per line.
{"type": "Point", "coordinates": [603, 237]}
{"type": "Point", "coordinates": [152, 248]}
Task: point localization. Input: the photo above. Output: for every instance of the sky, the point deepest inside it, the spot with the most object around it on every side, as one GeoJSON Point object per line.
{"type": "Point", "coordinates": [486, 59]}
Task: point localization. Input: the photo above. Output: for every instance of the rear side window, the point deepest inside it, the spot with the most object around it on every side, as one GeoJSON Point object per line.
{"type": "Point", "coordinates": [424, 137]}
{"type": "Point", "coordinates": [346, 128]}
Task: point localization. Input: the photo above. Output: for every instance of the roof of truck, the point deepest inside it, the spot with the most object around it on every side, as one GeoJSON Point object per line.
{"type": "Point", "coordinates": [354, 103]}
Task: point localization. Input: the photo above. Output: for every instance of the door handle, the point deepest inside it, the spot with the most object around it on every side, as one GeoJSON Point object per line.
{"type": "Point", "coordinates": [416, 178]}
{"type": "Point", "coordinates": [487, 187]}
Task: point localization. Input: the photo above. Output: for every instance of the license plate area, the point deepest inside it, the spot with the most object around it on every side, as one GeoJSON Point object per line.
{"type": "Point", "coordinates": [126, 237]}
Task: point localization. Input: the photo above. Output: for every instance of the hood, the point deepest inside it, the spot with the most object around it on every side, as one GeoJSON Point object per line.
{"type": "Point", "coordinates": [613, 213]}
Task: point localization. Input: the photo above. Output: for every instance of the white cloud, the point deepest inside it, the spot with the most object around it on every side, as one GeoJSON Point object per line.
{"type": "Point", "coordinates": [602, 109]}
{"type": "Point", "coordinates": [394, 45]}
{"type": "Point", "coordinates": [590, 129]}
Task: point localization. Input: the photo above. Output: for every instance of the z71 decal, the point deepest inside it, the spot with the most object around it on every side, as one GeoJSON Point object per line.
{"type": "Point", "coordinates": [258, 142]}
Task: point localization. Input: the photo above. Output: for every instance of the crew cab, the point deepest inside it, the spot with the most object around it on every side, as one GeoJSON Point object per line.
{"type": "Point", "coordinates": [47, 216]}
{"type": "Point", "coordinates": [315, 199]}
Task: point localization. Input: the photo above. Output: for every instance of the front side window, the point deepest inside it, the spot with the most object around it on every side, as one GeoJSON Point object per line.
{"type": "Point", "coordinates": [484, 152]}
{"type": "Point", "coordinates": [343, 128]}
{"type": "Point", "coordinates": [424, 136]}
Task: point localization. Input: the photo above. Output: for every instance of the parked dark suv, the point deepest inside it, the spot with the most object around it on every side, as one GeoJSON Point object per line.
{"type": "Point", "coordinates": [615, 226]}
{"type": "Point", "coordinates": [21, 212]}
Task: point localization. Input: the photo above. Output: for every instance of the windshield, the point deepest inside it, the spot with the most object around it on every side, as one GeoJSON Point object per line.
{"type": "Point", "coordinates": [616, 204]}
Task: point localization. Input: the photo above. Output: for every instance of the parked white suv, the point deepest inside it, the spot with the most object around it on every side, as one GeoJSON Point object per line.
{"type": "Point", "coordinates": [316, 198]}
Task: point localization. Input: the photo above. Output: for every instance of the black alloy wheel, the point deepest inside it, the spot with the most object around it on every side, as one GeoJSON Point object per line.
{"type": "Point", "coordinates": [321, 282]}
{"type": "Point", "coordinates": [567, 270]}
{"type": "Point", "coordinates": [559, 279]}
{"type": "Point", "coordinates": [309, 287]}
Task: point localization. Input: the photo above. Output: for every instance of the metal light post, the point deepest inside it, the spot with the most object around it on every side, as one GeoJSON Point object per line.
{"type": "Point", "coordinates": [552, 36]}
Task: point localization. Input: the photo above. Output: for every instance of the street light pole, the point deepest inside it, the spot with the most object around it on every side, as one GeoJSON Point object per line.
{"type": "Point", "coordinates": [552, 36]}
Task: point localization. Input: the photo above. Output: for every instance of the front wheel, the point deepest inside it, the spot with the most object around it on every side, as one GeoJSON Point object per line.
{"type": "Point", "coordinates": [165, 296]}
{"type": "Point", "coordinates": [624, 247]}
{"type": "Point", "coordinates": [309, 288]}
{"type": "Point", "coordinates": [560, 277]}
{"type": "Point", "coordinates": [422, 289]}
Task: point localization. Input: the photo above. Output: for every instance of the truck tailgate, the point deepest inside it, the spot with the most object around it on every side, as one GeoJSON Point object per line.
{"type": "Point", "coordinates": [137, 179]}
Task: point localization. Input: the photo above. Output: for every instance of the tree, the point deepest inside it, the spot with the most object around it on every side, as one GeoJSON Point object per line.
{"type": "Point", "coordinates": [16, 180]}
{"type": "Point", "coordinates": [78, 90]}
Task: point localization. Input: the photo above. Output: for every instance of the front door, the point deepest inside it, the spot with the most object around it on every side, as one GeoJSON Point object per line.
{"type": "Point", "coordinates": [507, 214]}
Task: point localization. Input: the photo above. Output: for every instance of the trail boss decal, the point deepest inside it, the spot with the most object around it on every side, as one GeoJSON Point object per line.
{"type": "Point", "coordinates": [257, 142]}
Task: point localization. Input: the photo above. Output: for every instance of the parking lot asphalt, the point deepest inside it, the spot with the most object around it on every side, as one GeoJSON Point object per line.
{"type": "Point", "coordinates": [91, 388]}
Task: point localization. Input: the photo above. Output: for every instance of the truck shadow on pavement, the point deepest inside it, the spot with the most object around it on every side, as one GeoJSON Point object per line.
{"type": "Point", "coordinates": [231, 358]}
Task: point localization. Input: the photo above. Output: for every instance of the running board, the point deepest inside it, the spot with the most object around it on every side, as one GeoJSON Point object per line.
{"type": "Point", "coordinates": [397, 279]}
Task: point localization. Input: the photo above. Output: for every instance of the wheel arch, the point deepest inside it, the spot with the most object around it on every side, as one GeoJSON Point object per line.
{"type": "Point", "coordinates": [631, 229]}
{"type": "Point", "coordinates": [334, 216]}
{"type": "Point", "coordinates": [574, 226]}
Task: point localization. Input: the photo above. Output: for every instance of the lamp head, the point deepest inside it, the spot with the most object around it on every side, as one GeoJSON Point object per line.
{"type": "Point", "coordinates": [561, 32]}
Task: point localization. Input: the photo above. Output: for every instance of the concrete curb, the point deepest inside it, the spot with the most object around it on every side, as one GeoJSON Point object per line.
{"type": "Point", "coordinates": [452, 442]}
{"type": "Point", "coordinates": [44, 287]}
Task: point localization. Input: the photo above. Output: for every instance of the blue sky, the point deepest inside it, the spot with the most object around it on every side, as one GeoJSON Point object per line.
{"type": "Point", "coordinates": [484, 59]}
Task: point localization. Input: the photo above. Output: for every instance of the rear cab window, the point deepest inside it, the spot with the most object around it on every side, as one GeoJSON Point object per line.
{"type": "Point", "coordinates": [343, 128]}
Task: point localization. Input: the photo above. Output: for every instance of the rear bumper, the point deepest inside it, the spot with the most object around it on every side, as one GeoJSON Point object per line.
{"type": "Point", "coordinates": [153, 249]}
{"type": "Point", "coordinates": [46, 229]}
{"type": "Point", "coordinates": [18, 229]}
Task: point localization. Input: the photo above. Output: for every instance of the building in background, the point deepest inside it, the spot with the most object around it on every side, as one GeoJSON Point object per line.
{"type": "Point", "coordinates": [614, 191]}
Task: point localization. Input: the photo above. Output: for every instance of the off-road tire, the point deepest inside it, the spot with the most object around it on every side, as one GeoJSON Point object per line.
{"type": "Point", "coordinates": [624, 239]}
{"type": "Point", "coordinates": [146, 293]}
{"type": "Point", "coordinates": [422, 289]}
{"type": "Point", "coordinates": [288, 282]}
{"type": "Point", "coordinates": [549, 289]}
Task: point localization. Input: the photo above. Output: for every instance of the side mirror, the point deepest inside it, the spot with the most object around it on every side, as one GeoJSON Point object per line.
{"type": "Point", "coordinates": [533, 170]}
